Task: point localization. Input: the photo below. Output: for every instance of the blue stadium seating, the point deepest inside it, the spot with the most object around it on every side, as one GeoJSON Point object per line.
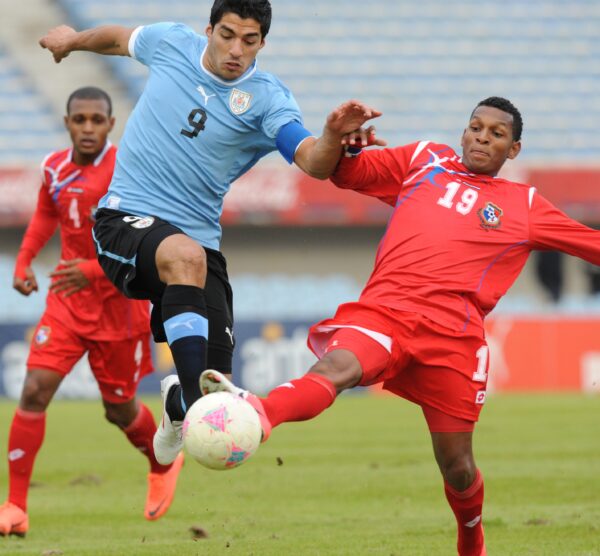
{"type": "Point", "coordinates": [28, 127]}
{"type": "Point", "coordinates": [424, 64]}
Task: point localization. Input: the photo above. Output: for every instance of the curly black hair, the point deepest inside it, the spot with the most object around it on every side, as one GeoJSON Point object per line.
{"type": "Point", "coordinates": [508, 107]}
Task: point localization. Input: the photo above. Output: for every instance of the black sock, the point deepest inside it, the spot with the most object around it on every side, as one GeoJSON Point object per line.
{"type": "Point", "coordinates": [186, 327]}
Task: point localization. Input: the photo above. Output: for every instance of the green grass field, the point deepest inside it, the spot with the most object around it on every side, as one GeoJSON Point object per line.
{"type": "Point", "coordinates": [359, 480]}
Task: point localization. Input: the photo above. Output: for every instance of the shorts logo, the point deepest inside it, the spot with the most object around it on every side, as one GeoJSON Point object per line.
{"type": "Point", "coordinates": [42, 335]}
{"type": "Point", "coordinates": [239, 101]}
{"type": "Point", "coordinates": [490, 215]}
{"type": "Point", "coordinates": [139, 222]}
{"type": "Point", "coordinates": [480, 397]}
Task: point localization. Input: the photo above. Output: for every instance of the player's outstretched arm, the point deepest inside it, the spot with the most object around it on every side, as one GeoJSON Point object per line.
{"type": "Point", "coordinates": [319, 157]}
{"type": "Point", "coordinates": [106, 39]}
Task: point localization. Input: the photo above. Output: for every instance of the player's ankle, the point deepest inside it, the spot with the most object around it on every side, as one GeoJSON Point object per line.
{"type": "Point", "coordinates": [174, 405]}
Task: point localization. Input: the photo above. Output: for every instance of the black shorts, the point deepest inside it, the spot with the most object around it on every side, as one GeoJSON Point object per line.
{"type": "Point", "coordinates": [126, 245]}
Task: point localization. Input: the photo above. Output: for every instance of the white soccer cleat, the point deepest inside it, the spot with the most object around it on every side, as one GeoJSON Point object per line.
{"type": "Point", "coordinates": [168, 438]}
{"type": "Point", "coordinates": [213, 381]}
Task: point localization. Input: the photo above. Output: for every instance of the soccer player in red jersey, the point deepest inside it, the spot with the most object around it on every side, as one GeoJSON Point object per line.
{"type": "Point", "coordinates": [85, 313]}
{"type": "Point", "coordinates": [456, 241]}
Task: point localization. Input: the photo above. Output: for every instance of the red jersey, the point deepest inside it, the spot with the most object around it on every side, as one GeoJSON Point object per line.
{"type": "Point", "coordinates": [68, 196]}
{"type": "Point", "coordinates": [456, 241]}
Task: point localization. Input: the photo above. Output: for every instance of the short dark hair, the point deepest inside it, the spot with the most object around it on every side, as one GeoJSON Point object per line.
{"type": "Point", "coordinates": [506, 106]}
{"type": "Point", "coordinates": [90, 93]}
{"type": "Point", "coordinates": [259, 10]}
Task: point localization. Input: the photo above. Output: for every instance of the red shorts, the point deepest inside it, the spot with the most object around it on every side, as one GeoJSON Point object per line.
{"type": "Point", "coordinates": [118, 366]}
{"type": "Point", "coordinates": [412, 356]}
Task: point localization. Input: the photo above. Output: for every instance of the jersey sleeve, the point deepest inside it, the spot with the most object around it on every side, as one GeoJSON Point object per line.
{"type": "Point", "coordinates": [550, 228]}
{"type": "Point", "coordinates": [145, 40]}
{"type": "Point", "coordinates": [282, 109]}
{"type": "Point", "coordinates": [377, 173]}
{"type": "Point", "coordinates": [41, 227]}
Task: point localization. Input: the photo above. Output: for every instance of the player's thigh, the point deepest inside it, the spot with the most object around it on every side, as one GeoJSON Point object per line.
{"type": "Point", "coordinates": [54, 346]}
{"type": "Point", "coordinates": [353, 357]}
{"type": "Point", "coordinates": [219, 304]}
{"type": "Point", "coordinates": [126, 246]}
{"type": "Point", "coordinates": [118, 366]}
{"type": "Point", "coordinates": [447, 371]}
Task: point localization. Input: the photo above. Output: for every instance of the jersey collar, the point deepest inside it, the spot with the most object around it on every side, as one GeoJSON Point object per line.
{"type": "Point", "coordinates": [98, 160]}
{"type": "Point", "coordinates": [248, 73]}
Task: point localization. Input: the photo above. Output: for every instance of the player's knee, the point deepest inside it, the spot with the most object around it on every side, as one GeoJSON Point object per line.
{"type": "Point", "coordinates": [35, 395]}
{"type": "Point", "coordinates": [116, 415]}
{"type": "Point", "coordinates": [184, 262]}
{"type": "Point", "coordinates": [342, 370]}
{"type": "Point", "coordinates": [459, 471]}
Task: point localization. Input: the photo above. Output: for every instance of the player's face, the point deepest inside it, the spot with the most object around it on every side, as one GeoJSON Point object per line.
{"type": "Point", "coordinates": [88, 124]}
{"type": "Point", "coordinates": [233, 44]}
{"type": "Point", "coordinates": [488, 141]}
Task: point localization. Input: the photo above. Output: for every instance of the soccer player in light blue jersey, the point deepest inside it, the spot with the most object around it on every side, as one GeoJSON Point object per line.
{"type": "Point", "coordinates": [206, 116]}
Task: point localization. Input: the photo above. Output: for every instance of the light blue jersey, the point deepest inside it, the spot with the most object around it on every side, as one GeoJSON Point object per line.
{"type": "Point", "coordinates": [192, 133]}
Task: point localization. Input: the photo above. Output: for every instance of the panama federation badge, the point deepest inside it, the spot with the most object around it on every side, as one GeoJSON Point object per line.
{"type": "Point", "coordinates": [239, 101]}
{"type": "Point", "coordinates": [42, 335]}
{"type": "Point", "coordinates": [490, 215]}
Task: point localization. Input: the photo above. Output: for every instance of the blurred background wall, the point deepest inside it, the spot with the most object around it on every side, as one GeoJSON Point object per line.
{"type": "Point", "coordinates": [297, 247]}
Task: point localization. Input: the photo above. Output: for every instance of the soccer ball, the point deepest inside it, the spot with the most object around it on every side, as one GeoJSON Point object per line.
{"type": "Point", "coordinates": [221, 430]}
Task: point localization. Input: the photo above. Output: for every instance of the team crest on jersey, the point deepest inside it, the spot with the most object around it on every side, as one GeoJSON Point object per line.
{"type": "Point", "coordinates": [42, 335]}
{"type": "Point", "coordinates": [490, 215]}
{"type": "Point", "coordinates": [239, 101]}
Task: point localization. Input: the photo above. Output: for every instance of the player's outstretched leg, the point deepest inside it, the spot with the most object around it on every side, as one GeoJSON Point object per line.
{"type": "Point", "coordinates": [13, 520]}
{"type": "Point", "coordinates": [168, 441]}
{"type": "Point", "coordinates": [161, 490]}
{"type": "Point", "coordinates": [214, 381]}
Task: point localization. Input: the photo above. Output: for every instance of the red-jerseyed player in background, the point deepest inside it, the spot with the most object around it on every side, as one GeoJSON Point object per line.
{"type": "Point", "coordinates": [457, 240]}
{"type": "Point", "coordinates": [84, 313]}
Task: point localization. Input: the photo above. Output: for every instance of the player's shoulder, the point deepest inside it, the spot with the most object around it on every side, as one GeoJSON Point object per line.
{"type": "Point", "coordinates": [54, 158]}
{"type": "Point", "coordinates": [269, 82]}
{"type": "Point", "coordinates": [54, 161]}
{"type": "Point", "coordinates": [429, 152]}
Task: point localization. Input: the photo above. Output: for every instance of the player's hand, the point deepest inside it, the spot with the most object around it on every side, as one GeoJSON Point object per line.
{"type": "Point", "coordinates": [57, 41]}
{"type": "Point", "coordinates": [363, 138]}
{"type": "Point", "coordinates": [349, 117]}
{"type": "Point", "coordinates": [27, 284]}
{"type": "Point", "coordinates": [69, 278]}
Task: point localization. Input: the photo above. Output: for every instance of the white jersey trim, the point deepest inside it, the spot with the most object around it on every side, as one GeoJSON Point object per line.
{"type": "Point", "coordinates": [101, 156]}
{"type": "Point", "coordinates": [382, 339]}
{"type": "Point", "coordinates": [531, 194]}
{"type": "Point", "coordinates": [249, 73]}
{"type": "Point", "coordinates": [419, 149]}
{"type": "Point", "coordinates": [132, 39]}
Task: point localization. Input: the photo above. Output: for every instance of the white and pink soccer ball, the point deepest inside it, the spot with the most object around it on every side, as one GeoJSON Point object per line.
{"type": "Point", "coordinates": [221, 430]}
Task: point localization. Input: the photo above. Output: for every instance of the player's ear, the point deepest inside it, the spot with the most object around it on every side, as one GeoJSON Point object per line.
{"type": "Point", "coordinates": [514, 150]}
{"type": "Point", "coordinates": [209, 30]}
{"type": "Point", "coordinates": [111, 123]}
{"type": "Point", "coordinates": [66, 120]}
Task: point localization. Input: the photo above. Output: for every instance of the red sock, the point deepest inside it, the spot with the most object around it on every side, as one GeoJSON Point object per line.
{"type": "Point", "coordinates": [299, 400]}
{"type": "Point", "coordinates": [24, 441]}
{"type": "Point", "coordinates": [140, 433]}
{"type": "Point", "coordinates": [467, 506]}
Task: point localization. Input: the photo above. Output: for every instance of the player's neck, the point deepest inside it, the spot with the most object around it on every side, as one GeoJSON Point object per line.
{"type": "Point", "coordinates": [85, 159]}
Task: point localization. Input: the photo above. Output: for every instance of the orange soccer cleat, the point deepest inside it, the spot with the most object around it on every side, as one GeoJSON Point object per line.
{"type": "Point", "coordinates": [13, 520]}
{"type": "Point", "coordinates": [161, 490]}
